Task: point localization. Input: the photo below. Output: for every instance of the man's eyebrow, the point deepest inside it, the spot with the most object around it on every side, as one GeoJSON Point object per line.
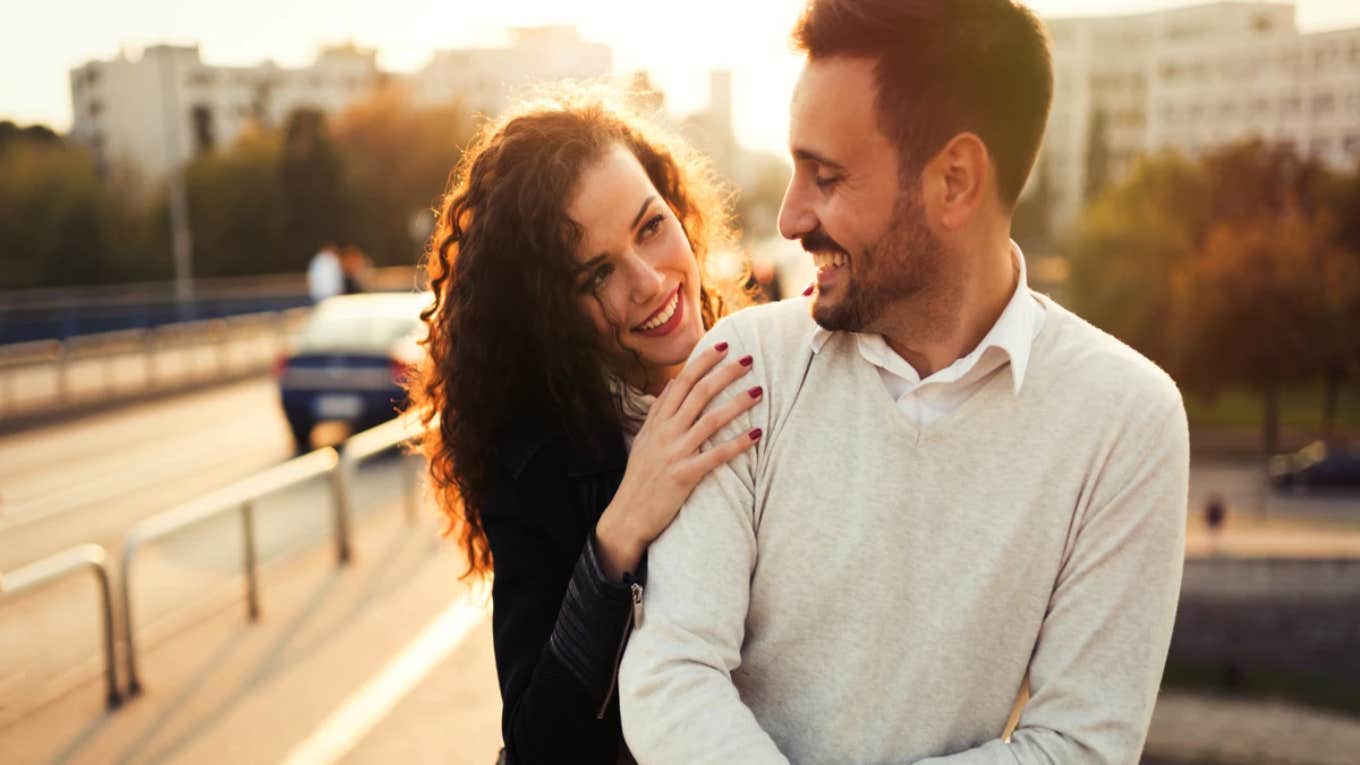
{"type": "Point", "coordinates": [806, 155]}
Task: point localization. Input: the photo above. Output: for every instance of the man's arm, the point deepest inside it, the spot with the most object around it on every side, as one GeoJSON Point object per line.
{"type": "Point", "coordinates": [1098, 662]}
{"type": "Point", "coordinates": [677, 699]}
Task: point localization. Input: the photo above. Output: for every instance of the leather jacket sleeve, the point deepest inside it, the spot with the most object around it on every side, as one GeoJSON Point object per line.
{"type": "Point", "coordinates": [558, 623]}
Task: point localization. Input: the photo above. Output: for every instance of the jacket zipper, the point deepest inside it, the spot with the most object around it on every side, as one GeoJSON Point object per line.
{"type": "Point", "coordinates": [634, 619]}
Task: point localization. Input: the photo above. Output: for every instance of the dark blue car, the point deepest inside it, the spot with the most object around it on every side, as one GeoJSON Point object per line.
{"type": "Point", "coordinates": [348, 362]}
{"type": "Point", "coordinates": [1317, 467]}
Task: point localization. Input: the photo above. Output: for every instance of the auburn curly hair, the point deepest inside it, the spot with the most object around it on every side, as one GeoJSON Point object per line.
{"type": "Point", "coordinates": [507, 343]}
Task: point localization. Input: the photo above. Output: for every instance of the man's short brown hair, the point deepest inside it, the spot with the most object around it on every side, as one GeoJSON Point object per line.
{"type": "Point", "coordinates": [946, 67]}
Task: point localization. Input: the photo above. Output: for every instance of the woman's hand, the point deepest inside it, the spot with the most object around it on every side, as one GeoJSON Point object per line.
{"type": "Point", "coordinates": [665, 463]}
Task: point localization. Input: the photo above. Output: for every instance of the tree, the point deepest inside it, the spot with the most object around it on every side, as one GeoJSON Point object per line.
{"type": "Point", "coordinates": [397, 159]}
{"type": "Point", "coordinates": [1131, 250]}
{"type": "Point", "coordinates": [317, 205]}
{"type": "Point", "coordinates": [54, 216]}
{"type": "Point", "coordinates": [1258, 295]}
{"type": "Point", "coordinates": [238, 208]}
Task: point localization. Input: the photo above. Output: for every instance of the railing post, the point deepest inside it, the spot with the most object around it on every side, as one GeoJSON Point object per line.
{"type": "Point", "coordinates": [129, 639]}
{"type": "Point", "coordinates": [101, 576]}
{"type": "Point", "coordinates": [344, 504]}
{"type": "Point", "coordinates": [252, 579]}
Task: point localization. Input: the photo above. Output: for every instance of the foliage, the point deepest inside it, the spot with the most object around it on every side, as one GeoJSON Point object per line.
{"type": "Point", "coordinates": [1240, 270]}
{"type": "Point", "coordinates": [397, 161]}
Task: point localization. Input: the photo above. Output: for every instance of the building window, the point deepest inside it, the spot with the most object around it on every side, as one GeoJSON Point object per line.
{"type": "Point", "coordinates": [1260, 107]}
{"type": "Point", "coordinates": [1323, 104]}
{"type": "Point", "coordinates": [95, 108]}
{"type": "Point", "coordinates": [1353, 104]}
{"type": "Point", "coordinates": [1291, 105]}
{"type": "Point", "coordinates": [1353, 144]}
{"type": "Point", "coordinates": [204, 133]}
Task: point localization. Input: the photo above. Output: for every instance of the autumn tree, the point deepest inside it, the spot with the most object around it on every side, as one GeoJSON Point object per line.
{"type": "Point", "coordinates": [397, 160]}
{"type": "Point", "coordinates": [1130, 253]}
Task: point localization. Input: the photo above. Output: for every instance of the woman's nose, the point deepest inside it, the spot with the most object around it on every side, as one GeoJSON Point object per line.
{"type": "Point", "coordinates": [647, 281]}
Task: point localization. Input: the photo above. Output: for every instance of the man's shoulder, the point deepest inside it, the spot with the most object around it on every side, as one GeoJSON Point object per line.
{"type": "Point", "coordinates": [1091, 359]}
{"type": "Point", "coordinates": [782, 325]}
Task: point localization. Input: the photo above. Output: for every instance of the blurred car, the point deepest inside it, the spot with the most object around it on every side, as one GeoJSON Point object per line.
{"type": "Point", "coordinates": [1316, 466]}
{"type": "Point", "coordinates": [347, 363]}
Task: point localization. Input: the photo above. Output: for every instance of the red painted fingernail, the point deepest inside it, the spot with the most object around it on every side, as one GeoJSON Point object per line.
{"type": "Point", "coordinates": [809, 290]}
{"type": "Point", "coordinates": [720, 347]}
{"type": "Point", "coordinates": [745, 361]}
{"type": "Point", "coordinates": [756, 391]}
{"type": "Point", "coordinates": [755, 434]}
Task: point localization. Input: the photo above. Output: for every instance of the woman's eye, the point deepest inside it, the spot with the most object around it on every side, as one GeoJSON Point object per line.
{"type": "Point", "coordinates": [652, 226]}
{"type": "Point", "coordinates": [599, 275]}
{"type": "Point", "coordinates": [826, 183]}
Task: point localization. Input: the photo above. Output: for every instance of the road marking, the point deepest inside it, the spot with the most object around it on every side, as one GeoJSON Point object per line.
{"type": "Point", "coordinates": [367, 707]}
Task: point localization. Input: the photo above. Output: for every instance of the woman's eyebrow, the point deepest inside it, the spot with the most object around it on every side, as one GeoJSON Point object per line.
{"type": "Point", "coordinates": [643, 210]}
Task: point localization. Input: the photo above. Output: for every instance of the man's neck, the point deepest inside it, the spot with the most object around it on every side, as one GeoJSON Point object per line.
{"type": "Point", "coordinates": [983, 299]}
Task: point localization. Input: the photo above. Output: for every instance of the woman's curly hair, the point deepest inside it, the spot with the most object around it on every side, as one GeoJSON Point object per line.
{"type": "Point", "coordinates": [507, 342]}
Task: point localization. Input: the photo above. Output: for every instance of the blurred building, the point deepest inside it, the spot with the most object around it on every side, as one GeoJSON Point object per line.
{"type": "Point", "coordinates": [710, 129]}
{"type": "Point", "coordinates": [484, 79]}
{"type": "Point", "coordinates": [150, 112]}
{"type": "Point", "coordinates": [1192, 79]}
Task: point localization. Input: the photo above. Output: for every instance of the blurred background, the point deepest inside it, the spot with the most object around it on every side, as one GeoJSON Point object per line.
{"type": "Point", "coordinates": [185, 187]}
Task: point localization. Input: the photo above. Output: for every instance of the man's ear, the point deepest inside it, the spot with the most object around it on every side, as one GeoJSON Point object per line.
{"type": "Point", "coordinates": [960, 175]}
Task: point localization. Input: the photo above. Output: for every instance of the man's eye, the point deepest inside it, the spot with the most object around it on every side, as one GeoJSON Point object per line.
{"type": "Point", "coordinates": [827, 182]}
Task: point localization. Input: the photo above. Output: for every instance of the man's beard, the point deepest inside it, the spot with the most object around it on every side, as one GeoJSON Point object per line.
{"type": "Point", "coordinates": [906, 262]}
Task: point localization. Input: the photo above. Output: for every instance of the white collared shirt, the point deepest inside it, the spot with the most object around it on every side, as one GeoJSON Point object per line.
{"type": "Point", "coordinates": [1008, 342]}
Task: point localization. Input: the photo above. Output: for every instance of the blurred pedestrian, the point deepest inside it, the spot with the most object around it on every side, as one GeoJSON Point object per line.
{"type": "Point", "coordinates": [355, 267]}
{"type": "Point", "coordinates": [325, 276]}
{"type": "Point", "coordinates": [567, 267]}
{"type": "Point", "coordinates": [1215, 513]}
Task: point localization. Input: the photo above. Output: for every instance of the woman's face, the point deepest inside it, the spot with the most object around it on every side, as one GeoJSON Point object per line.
{"type": "Point", "coordinates": [636, 278]}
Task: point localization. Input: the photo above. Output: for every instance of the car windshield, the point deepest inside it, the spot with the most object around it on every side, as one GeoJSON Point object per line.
{"type": "Point", "coordinates": [356, 332]}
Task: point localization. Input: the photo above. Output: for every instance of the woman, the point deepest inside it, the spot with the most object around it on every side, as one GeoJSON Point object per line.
{"type": "Point", "coordinates": [567, 269]}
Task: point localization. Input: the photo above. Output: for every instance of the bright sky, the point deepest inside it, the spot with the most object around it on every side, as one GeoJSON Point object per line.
{"type": "Point", "coordinates": [42, 42]}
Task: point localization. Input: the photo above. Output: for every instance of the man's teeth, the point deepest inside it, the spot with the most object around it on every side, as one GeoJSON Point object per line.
{"type": "Point", "coordinates": [829, 259]}
{"type": "Point", "coordinates": [664, 316]}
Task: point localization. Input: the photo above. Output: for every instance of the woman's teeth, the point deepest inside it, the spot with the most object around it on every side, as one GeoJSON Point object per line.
{"type": "Point", "coordinates": [664, 316]}
{"type": "Point", "coordinates": [829, 260]}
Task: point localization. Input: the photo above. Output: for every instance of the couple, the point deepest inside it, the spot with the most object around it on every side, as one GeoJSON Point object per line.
{"type": "Point", "coordinates": [847, 527]}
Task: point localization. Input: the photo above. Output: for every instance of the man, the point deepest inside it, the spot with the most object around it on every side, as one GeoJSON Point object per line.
{"type": "Point", "coordinates": [961, 483]}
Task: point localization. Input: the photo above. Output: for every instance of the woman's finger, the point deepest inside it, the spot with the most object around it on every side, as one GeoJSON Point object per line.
{"type": "Point", "coordinates": [706, 461]}
{"type": "Point", "coordinates": [718, 417]}
{"type": "Point", "coordinates": [674, 395]}
{"type": "Point", "coordinates": [704, 391]}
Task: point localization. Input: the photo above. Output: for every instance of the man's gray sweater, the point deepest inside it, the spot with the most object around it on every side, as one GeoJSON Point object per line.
{"type": "Point", "coordinates": [858, 588]}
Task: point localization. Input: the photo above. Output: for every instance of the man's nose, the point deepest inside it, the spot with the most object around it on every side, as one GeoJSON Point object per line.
{"type": "Point", "coordinates": [796, 217]}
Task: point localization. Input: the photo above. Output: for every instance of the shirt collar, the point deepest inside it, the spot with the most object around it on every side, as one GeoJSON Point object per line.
{"type": "Point", "coordinates": [1013, 333]}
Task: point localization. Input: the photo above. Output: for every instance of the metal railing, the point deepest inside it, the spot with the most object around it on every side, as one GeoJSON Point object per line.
{"type": "Point", "coordinates": [50, 365]}
{"type": "Point", "coordinates": [240, 497]}
{"type": "Point", "coordinates": [59, 565]}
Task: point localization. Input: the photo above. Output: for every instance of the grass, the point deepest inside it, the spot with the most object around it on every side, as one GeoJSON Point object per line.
{"type": "Point", "coordinates": [1300, 408]}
